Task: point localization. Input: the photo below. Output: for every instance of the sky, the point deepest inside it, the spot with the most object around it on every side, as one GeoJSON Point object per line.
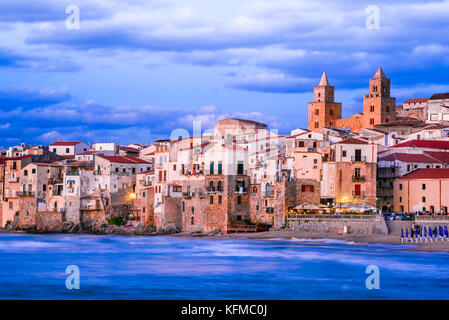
{"type": "Point", "coordinates": [134, 71]}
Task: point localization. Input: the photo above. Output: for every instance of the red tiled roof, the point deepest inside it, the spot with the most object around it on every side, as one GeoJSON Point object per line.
{"type": "Point", "coordinates": [66, 143]}
{"type": "Point", "coordinates": [125, 159]}
{"type": "Point", "coordinates": [431, 144]}
{"type": "Point", "coordinates": [409, 157]}
{"type": "Point", "coordinates": [352, 141]}
{"type": "Point", "coordinates": [438, 96]}
{"type": "Point", "coordinates": [417, 100]}
{"type": "Point", "coordinates": [129, 149]}
{"type": "Point", "coordinates": [21, 157]}
{"type": "Point", "coordinates": [441, 156]}
{"type": "Point", "coordinates": [434, 173]}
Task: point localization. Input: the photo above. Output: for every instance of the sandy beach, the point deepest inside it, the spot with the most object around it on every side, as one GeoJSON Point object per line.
{"type": "Point", "coordinates": [350, 238]}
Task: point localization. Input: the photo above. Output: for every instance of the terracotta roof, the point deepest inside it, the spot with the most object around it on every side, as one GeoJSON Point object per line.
{"type": "Point", "coordinates": [129, 149]}
{"type": "Point", "coordinates": [147, 172]}
{"type": "Point", "coordinates": [417, 100]}
{"type": "Point", "coordinates": [434, 173]}
{"type": "Point", "coordinates": [66, 143]}
{"type": "Point", "coordinates": [438, 96]}
{"type": "Point", "coordinates": [431, 144]}
{"type": "Point", "coordinates": [352, 141]}
{"type": "Point", "coordinates": [443, 157]}
{"type": "Point", "coordinates": [409, 157]}
{"type": "Point", "coordinates": [70, 157]}
{"type": "Point", "coordinates": [124, 159]}
{"type": "Point", "coordinates": [21, 157]}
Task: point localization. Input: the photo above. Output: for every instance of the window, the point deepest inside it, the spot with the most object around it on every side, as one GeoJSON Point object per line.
{"type": "Point", "coordinates": [33, 171]}
{"type": "Point", "coordinates": [344, 153]}
{"type": "Point", "coordinates": [424, 186]}
{"type": "Point", "coordinates": [211, 201]}
{"type": "Point", "coordinates": [317, 125]}
{"type": "Point", "coordinates": [445, 116]}
{"type": "Point", "coordinates": [133, 170]}
{"type": "Point", "coordinates": [211, 167]}
{"type": "Point", "coordinates": [183, 206]}
{"type": "Point", "coordinates": [371, 108]}
{"type": "Point", "coordinates": [25, 173]}
{"type": "Point", "coordinates": [371, 121]}
{"type": "Point", "coordinates": [220, 167]}
{"type": "Point", "coordinates": [143, 194]}
{"type": "Point", "coordinates": [240, 168]}
{"type": "Point", "coordinates": [387, 109]}
{"type": "Point", "coordinates": [317, 112]}
{"type": "Point", "coordinates": [408, 167]}
{"type": "Point", "coordinates": [116, 170]}
{"type": "Point", "coordinates": [402, 208]}
{"type": "Point", "coordinates": [400, 199]}
{"type": "Point", "coordinates": [239, 200]}
{"type": "Point", "coordinates": [423, 199]}
{"type": "Point", "coordinates": [14, 165]}
{"type": "Point", "coordinates": [220, 199]}
{"type": "Point", "coordinates": [44, 187]}
{"type": "Point", "coordinates": [400, 186]}
{"type": "Point", "coordinates": [67, 150]}
{"type": "Point", "coordinates": [434, 117]}
{"type": "Point", "coordinates": [387, 120]}
{"type": "Point", "coordinates": [54, 150]}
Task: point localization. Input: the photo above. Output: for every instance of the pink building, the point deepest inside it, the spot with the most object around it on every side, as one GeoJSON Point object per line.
{"type": "Point", "coordinates": [423, 190]}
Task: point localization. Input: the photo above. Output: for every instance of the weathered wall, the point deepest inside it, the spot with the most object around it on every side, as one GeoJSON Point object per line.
{"type": "Point", "coordinates": [374, 225]}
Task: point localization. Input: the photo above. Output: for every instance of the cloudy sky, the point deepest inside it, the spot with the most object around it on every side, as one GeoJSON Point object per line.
{"type": "Point", "coordinates": [136, 70]}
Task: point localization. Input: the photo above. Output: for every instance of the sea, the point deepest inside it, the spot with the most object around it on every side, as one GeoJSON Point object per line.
{"type": "Point", "coordinates": [172, 268]}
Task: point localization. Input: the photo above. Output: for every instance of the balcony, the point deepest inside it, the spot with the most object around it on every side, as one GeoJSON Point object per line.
{"type": "Point", "coordinates": [358, 178]}
{"type": "Point", "coordinates": [241, 190]}
{"type": "Point", "coordinates": [56, 180]}
{"type": "Point", "coordinates": [269, 210]}
{"type": "Point", "coordinates": [188, 194]}
{"type": "Point", "coordinates": [57, 193]}
{"type": "Point", "coordinates": [358, 159]}
{"type": "Point", "coordinates": [16, 179]}
{"type": "Point", "coordinates": [25, 193]}
{"type": "Point", "coordinates": [190, 172]}
{"type": "Point", "coordinates": [214, 189]}
{"type": "Point", "coordinates": [360, 194]}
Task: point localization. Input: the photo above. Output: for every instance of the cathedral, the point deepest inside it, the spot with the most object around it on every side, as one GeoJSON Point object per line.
{"type": "Point", "coordinates": [378, 106]}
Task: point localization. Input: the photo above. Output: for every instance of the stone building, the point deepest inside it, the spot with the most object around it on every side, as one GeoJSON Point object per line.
{"type": "Point", "coordinates": [323, 111]}
{"type": "Point", "coordinates": [378, 105]}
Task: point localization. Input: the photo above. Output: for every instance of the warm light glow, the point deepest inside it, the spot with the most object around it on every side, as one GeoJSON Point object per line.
{"type": "Point", "coordinates": [132, 196]}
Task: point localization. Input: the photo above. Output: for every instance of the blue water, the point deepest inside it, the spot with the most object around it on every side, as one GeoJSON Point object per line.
{"type": "Point", "coordinates": [119, 267]}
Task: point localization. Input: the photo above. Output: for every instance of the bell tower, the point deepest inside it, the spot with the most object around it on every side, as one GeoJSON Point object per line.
{"type": "Point", "coordinates": [323, 111]}
{"type": "Point", "coordinates": [378, 105]}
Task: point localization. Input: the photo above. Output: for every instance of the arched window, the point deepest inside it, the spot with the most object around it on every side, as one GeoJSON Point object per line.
{"type": "Point", "coordinates": [268, 189]}
{"type": "Point", "coordinates": [220, 185]}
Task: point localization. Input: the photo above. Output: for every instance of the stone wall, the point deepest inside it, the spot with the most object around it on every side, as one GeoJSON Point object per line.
{"type": "Point", "coordinates": [371, 225]}
{"type": "Point", "coordinates": [48, 220]}
{"type": "Point", "coordinates": [90, 219]}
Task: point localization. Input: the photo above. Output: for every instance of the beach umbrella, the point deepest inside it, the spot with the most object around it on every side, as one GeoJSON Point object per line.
{"type": "Point", "coordinates": [425, 232]}
{"type": "Point", "coordinates": [406, 232]}
{"type": "Point", "coordinates": [411, 233]}
{"type": "Point", "coordinates": [402, 233]}
{"type": "Point", "coordinates": [435, 232]}
{"type": "Point", "coordinates": [420, 232]}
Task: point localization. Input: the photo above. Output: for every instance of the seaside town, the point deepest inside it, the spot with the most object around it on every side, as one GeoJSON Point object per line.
{"type": "Point", "coordinates": [390, 160]}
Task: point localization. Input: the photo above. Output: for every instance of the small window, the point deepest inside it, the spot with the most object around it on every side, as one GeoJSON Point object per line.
{"type": "Point", "coordinates": [239, 200]}
{"type": "Point", "coordinates": [211, 200]}
{"type": "Point", "coordinates": [67, 150]}
{"type": "Point", "coordinates": [220, 199]}
{"type": "Point", "coordinates": [423, 199]}
{"type": "Point", "coordinates": [400, 186]}
{"type": "Point", "coordinates": [424, 186]}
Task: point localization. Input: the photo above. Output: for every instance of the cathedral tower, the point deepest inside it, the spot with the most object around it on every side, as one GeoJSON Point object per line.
{"type": "Point", "coordinates": [323, 111]}
{"type": "Point", "coordinates": [378, 106]}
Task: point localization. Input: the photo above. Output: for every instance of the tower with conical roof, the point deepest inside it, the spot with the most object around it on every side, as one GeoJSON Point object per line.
{"type": "Point", "coordinates": [378, 105]}
{"type": "Point", "coordinates": [323, 111]}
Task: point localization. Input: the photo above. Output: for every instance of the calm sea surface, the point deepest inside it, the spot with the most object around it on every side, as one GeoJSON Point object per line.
{"type": "Point", "coordinates": [118, 267]}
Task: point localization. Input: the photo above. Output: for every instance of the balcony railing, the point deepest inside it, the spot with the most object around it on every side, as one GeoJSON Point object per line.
{"type": "Point", "coordinates": [360, 194]}
{"type": "Point", "coordinates": [241, 190]}
{"type": "Point", "coordinates": [358, 159]}
{"type": "Point", "coordinates": [269, 210]}
{"type": "Point", "coordinates": [188, 194]}
{"type": "Point", "coordinates": [358, 178]}
{"type": "Point", "coordinates": [214, 189]}
{"type": "Point", "coordinates": [16, 179]}
{"type": "Point", "coordinates": [25, 193]}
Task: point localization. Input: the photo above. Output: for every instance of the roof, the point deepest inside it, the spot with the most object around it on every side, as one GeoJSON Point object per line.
{"type": "Point", "coordinates": [21, 157]}
{"type": "Point", "coordinates": [66, 143]}
{"type": "Point", "coordinates": [434, 173]}
{"type": "Point", "coordinates": [324, 81]}
{"type": "Point", "coordinates": [147, 172]}
{"type": "Point", "coordinates": [352, 141]}
{"type": "Point", "coordinates": [417, 100]}
{"type": "Point", "coordinates": [431, 144]}
{"type": "Point", "coordinates": [123, 159]}
{"type": "Point", "coordinates": [409, 157]}
{"type": "Point", "coordinates": [174, 185]}
{"type": "Point", "coordinates": [129, 149]}
{"type": "Point", "coordinates": [380, 74]}
{"type": "Point", "coordinates": [443, 157]}
{"type": "Point", "coordinates": [438, 96]}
